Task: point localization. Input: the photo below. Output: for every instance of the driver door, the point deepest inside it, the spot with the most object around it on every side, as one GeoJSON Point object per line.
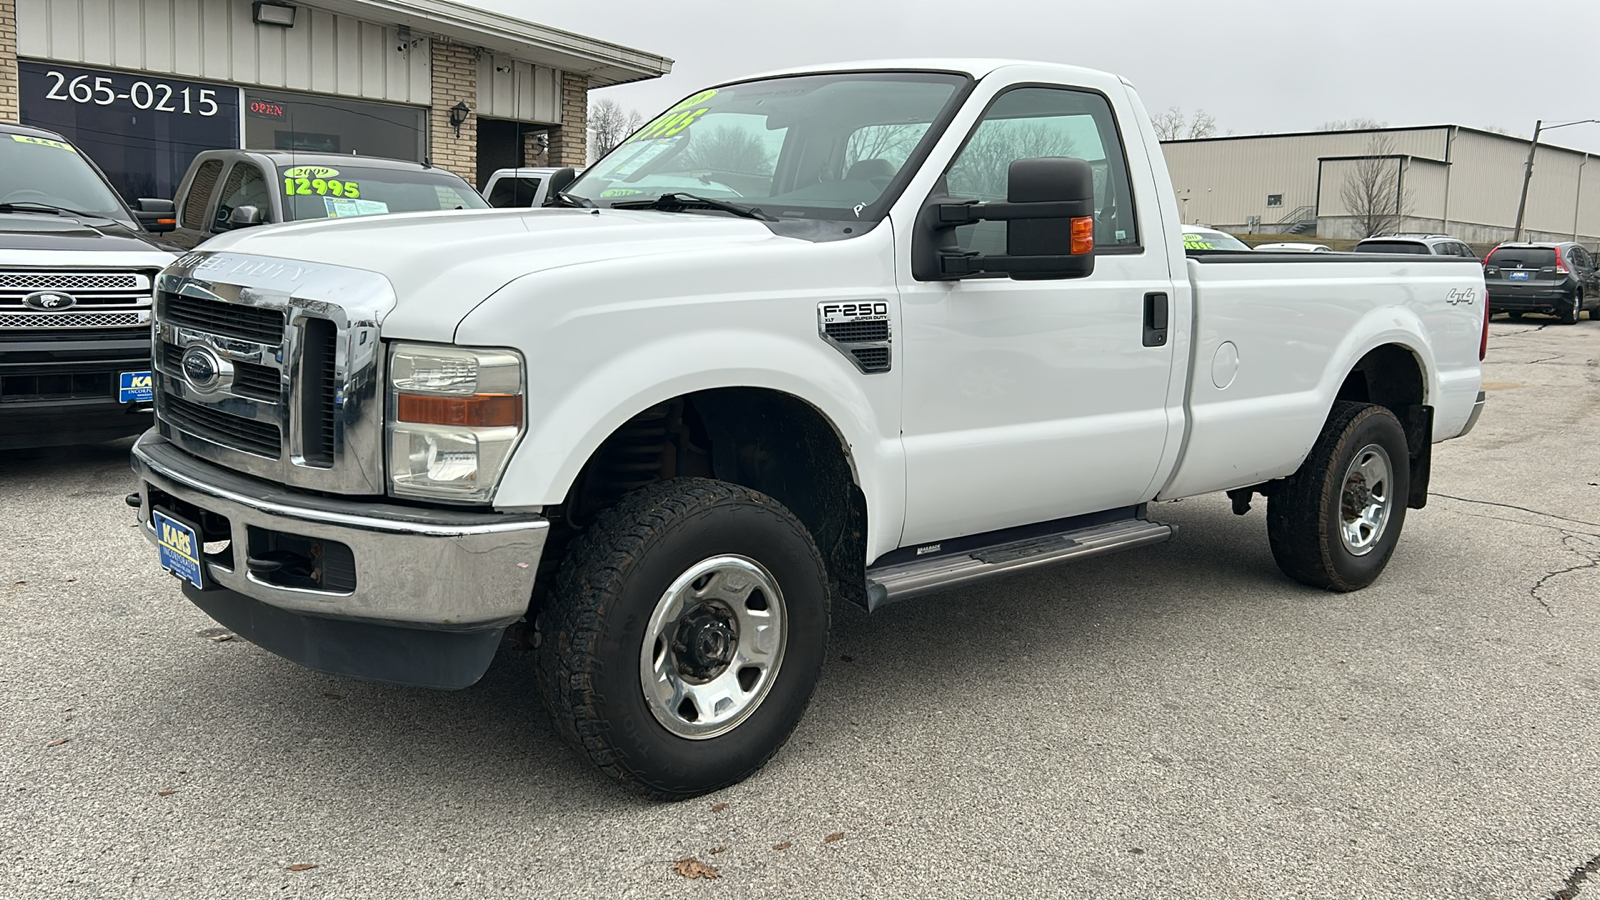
{"type": "Point", "coordinates": [1027, 401]}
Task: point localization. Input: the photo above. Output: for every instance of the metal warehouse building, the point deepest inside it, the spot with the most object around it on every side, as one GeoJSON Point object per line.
{"type": "Point", "coordinates": [144, 85]}
{"type": "Point", "coordinates": [1444, 178]}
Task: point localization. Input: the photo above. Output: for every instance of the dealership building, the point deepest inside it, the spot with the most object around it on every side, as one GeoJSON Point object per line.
{"type": "Point", "coordinates": [142, 86]}
{"type": "Point", "coordinates": [1449, 179]}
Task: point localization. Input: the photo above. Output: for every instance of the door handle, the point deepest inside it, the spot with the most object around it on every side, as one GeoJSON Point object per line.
{"type": "Point", "coordinates": [1155, 320]}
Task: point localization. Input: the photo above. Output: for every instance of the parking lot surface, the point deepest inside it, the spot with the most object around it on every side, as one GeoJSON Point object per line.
{"type": "Point", "coordinates": [1180, 721]}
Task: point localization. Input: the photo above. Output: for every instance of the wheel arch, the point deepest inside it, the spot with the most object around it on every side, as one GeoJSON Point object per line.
{"type": "Point", "coordinates": [1396, 376]}
{"type": "Point", "coordinates": [763, 438]}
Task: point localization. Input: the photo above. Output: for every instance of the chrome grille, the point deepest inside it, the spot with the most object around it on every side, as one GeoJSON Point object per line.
{"type": "Point", "coordinates": [227, 429]}
{"type": "Point", "coordinates": [73, 281]}
{"type": "Point", "coordinates": [73, 320]}
{"type": "Point", "coordinates": [111, 299]}
{"type": "Point", "coordinates": [233, 320]}
{"type": "Point", "coordinates": [303, 405]}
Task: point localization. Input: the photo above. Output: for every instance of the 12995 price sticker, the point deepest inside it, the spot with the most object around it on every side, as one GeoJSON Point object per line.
{"type": "Point", "coordinates": [143, 95]}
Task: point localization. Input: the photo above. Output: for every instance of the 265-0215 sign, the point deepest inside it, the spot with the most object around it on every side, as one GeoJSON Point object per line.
{"type": "Point", "coordinates": [142, 94]}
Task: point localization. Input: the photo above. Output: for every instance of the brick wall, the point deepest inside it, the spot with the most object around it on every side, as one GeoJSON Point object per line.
{"type": "Point", "coordinates": [569, 143]}
{"type": "Point", "coordinates": [455, 80]}
{"type": "Point", "coordinates": [8, 61]}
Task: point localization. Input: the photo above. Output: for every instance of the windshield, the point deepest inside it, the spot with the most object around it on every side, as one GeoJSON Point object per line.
{"type": "Point", "coordinates": [50, 172]}
{"type": "Point", "coordinates": [324, 192]}
{"type": "Point", "coordinates": [1212, 240]}
{"type": "Point", "coordinates": [812, 146]}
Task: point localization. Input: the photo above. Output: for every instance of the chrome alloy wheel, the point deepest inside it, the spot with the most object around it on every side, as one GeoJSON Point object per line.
{"type": "Point", "coordinates": [713, 646]}
{"type": "Point", "coordinates": [1366, 499]}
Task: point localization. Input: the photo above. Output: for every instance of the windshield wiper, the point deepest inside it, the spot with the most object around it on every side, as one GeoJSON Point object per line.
{"type": "Point", "coordinates": [565, 199]}
{"type": "Point", "coordinates": [677, 202]}
{"type": "Point", "coordinates": [32, 206]}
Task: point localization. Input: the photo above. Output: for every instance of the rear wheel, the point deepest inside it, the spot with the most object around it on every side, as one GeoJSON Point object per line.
{"type": "Point", "coordinates": [1569, 316]}
{"type": "Point", "coordinates": [1335, 522]}
{"type": "Point", "coordinates": [1514, 314]}
{"type": "Point", "coordinates": [683, 636]}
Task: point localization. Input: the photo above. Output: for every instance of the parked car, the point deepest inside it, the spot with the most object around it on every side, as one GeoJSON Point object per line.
{"type": "Point", "coordinates": [1417, 244]}
{"type": "Point", "coordinates": [226, 190]}
{"type": "Point", "coordinates": [1296, 247]}
{"type": "Point", "coordinates": [1557, 278]}
{"type": "Point", "coordinates": [1199, 237]}
{"type": "Point", "coordinates": [523, 187]}
{"type": "Point", "coordinates": [77, 270]}
{"type": "Point", "coordinates": [659, 433]}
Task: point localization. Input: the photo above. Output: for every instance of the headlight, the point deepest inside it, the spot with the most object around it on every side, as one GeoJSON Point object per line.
{"type": "Point", "coordinates": [455, 415]}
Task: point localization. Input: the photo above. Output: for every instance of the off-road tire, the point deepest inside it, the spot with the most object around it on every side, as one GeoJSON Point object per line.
{"type": "Point", "coordinates": [1303, 511]}
{"type": "Point", "coordinates": [592, 627]}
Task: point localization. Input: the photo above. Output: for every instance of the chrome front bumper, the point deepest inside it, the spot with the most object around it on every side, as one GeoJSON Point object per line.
{"type": "Point", "coordinates": [415, 568]}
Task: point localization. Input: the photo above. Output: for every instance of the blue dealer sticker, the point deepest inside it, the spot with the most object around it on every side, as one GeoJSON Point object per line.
{"type": "Point", "coordinates": [135, 388]}
{"type": "Point", "coordinates": [179, 548]}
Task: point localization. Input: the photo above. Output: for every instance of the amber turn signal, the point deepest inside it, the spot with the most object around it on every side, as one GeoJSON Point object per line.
{"type": "Point", "coordinates": [1082, 235]}
{"type": "Point", "coordinates": [478, 410]}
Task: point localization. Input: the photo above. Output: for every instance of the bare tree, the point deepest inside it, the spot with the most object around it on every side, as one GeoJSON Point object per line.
{"type": "Point", "coordinates": [983, 167]}
{"type": "Point", "coordinates": [1372, 192]}
{"type": "Point", "coordinates": [1352, 125]}
{"type": "Point", "coordinates": [1175, 124]}
{"type": "Point", "coordinates": [611, 124]}
{"type": "Point", "coordinates": [890, 142]}
{"type": "Point", "coordinates": [727, 149]}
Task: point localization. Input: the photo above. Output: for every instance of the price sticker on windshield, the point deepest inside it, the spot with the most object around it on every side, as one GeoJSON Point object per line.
{"type": "Point", "coordinates": [318, 181]}
{"type": "Point", "coordinates": [42, 142]}
{"type": "Point", "coordinates": [675, 120]}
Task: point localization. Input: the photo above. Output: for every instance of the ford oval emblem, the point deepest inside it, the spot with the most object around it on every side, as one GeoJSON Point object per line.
{"type": "Point", "coordinates": [202, 368]}
{"type": "Point", "coordinates": [49, 301]}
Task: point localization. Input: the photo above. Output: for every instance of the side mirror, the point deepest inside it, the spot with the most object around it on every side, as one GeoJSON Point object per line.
{"type": "Point", "coordinates": [245, 216]}
{"type": "Point", "coordinates": [560, 180]}
{"type": "Point", "coordinates": [1049, 216]}
{"type": "Point", "coordinates": [157, 216]}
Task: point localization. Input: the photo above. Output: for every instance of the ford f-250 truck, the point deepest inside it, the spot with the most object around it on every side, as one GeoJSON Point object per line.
{"type": "Point", "coordinates": [927, 323]}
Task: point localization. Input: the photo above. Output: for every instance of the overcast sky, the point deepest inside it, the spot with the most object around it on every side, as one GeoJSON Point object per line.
{"type": "Point", "coordinates": [1288, 65]}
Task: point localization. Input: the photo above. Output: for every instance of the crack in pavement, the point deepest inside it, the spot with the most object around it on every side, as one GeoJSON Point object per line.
{"type": "Point", "coordinates": [1574, 883]}
{"type": "Point", "coordinates": [1525, 509]}
{"type": "Point", "coordinates": [1584, 544]}
{"type": "Point", "coordinates": [1523, 331]}
{"type": "Point", "coordinates": [1592, 561]}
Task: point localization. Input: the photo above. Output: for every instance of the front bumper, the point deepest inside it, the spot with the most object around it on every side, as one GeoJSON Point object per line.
{"type": "Point", "coordinates": [425, 596]}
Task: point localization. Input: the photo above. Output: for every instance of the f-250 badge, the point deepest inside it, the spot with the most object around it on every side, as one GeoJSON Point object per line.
{"type": "Point", "coordinates": [1457, 296]}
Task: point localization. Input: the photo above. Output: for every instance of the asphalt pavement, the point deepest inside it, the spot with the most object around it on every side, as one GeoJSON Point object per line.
{"type": "Point", "coordinates": [1179, 721]}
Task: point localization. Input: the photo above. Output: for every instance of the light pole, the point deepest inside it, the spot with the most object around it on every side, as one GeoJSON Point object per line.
{"type": "Point", "coordinates": [1527, 171]}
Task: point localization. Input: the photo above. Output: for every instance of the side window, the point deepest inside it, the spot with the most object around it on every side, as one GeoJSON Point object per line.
{"type": "Point", "coordinates": [513, 191]}
{"type": "Point", "coordinates": [246, 187]}
{"type": "Point", "coordinates": [200, 190]}
{"type": "Point", "coordinates": [1466, 251]}
{"type": "Point", "coordinates": [1448, 248]}
{"type": "Point", "coordinates": [1028, 123]}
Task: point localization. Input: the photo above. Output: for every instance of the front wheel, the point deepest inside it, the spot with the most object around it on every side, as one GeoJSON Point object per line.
{"type": "Point", "coordinates": [1335, 522]}
{"type": "Point", "coordinates": [683, 637]}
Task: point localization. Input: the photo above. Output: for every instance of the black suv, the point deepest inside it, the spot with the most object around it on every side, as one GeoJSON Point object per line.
{"type": "Point", "coordinates": [1560, 279]}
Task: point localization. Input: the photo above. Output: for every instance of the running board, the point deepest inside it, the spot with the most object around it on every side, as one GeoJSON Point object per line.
{"type": "Point", "coordinates": [891, 583]}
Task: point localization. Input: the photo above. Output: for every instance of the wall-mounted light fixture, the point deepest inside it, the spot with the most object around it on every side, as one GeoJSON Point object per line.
{"type": "Point", "coordinates": [458, 115]}
{"type": "Point", "coordinates": [265, 12]}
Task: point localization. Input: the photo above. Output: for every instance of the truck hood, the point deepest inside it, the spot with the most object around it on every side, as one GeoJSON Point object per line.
{"type": "Point", "coordinates": [34, 239]}
{"type": "Point", "coordinates": [443, 264]}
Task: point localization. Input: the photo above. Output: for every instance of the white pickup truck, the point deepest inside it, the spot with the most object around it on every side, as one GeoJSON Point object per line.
{"type": "Point", "coordinates": [858, 332]}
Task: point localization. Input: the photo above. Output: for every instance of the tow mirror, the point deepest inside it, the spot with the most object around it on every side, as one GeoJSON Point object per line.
{"type": "Point", "coordinates": [560, 180]}
{"type": "Point", "coordinates": [245, 217]}
{"type": "Point", "coordinates": [1049, 216]}
{"type": "Point", "coordinates": [157, 216]}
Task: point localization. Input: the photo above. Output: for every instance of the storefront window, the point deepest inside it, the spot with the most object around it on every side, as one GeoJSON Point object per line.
{"type": "Point", "coordinates": [316, 124]}
{"type": "Point", "coordinates": [142, 130]}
